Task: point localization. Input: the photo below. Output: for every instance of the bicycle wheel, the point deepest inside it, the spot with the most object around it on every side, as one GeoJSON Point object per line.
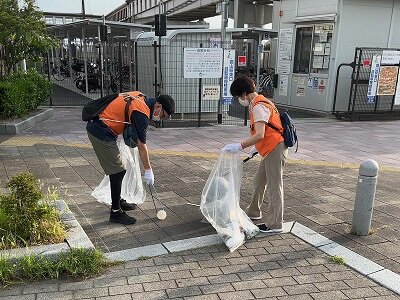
{"type": "Point", "coordinates": [58, 74]}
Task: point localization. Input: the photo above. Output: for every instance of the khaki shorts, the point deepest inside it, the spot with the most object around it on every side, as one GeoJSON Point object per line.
{"type": "Point", "coordinates": [108, 155]}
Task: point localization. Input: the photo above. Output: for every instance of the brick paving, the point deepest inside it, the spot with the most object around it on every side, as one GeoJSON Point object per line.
{"type": "Point", "coordinates": [258, 270]}
{"type": "Point", "coordinates": [319, 193]}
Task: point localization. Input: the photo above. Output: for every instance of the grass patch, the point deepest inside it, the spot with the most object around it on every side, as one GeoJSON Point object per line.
{"type": "Point", "coordinates": [337, 259]}
{"type": "Point", "coordinates": [79, 263]}
{"type": "Point", "coordinates": [27, 214]}
{"type": "Point", "coordinates": [144, 257]}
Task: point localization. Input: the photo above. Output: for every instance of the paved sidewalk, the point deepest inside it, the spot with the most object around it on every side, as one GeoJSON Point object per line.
{"type": "Point", "coordinates": [277, 267]}
{"type": "Point", "coordinates": [320, 183]}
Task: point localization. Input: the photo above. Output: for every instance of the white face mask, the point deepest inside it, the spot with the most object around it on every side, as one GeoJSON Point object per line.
{"type": "Point", "coordinates": [244, 102]}
{"type": "Point", "coordinates": [156, 118]}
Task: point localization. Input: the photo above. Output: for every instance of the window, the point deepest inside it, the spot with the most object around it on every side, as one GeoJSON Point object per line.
{"type": "Point", "coordinates": [68, 20]}
{"type": "Point", "coordinates": [303, 50]}
{"type": "Point", "coordinates": [59, 20]}
{"type": "Point", "coordinates": [49, 20]}
{"type": "Point", "coordinates": [313, 48]}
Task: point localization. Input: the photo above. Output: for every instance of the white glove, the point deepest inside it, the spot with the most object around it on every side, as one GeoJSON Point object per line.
{"type": "Point", "coordinates": [232, 148]}
{"type": "Point", "coordinates": [253, 152]}
{"type": "Point", "coordinates": [149, 176]}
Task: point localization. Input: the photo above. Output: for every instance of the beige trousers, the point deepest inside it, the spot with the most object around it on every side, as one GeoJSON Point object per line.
{"type": "Point", "coordinates": [269, 181]}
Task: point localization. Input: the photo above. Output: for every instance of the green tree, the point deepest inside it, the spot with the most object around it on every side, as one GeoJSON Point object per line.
{"type": "Point", "coordinates": [23, 33]}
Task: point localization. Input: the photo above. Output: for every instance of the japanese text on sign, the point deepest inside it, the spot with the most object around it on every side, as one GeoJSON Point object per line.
{"type": "Point", "coordinates": [373, 78]}
{"type": "Point", "coordinates": [228, 76]}
{"type": "Point", "coordinates": [202, 63]}
{"type": "Point", "coordinates": [211, 92]}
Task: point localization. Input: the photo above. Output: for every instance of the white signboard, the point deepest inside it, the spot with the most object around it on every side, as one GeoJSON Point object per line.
{"type": "Point", "coordinates": [373, 78]}
{"type": "Point", "coordinates": [228, 76]}
{"type": "Point", "coordinates": [397, 97]}
{"type": "Point", "coordinates": [390, 57]}
{"type": "Point", "coordinates": [283, 85]}
{"type": "Point", "coordinates": [202, 62]}
{"type": "Point", "coordinates": [285, 50]}
{"type": "Point", "coordinates": [211, 92]}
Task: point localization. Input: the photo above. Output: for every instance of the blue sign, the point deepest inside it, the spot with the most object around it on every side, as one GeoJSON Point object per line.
{"type": "Point", "coordinates": [226, 100]}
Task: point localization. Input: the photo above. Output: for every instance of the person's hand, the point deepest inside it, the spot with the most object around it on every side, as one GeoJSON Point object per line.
{"type": "Point", "coordinates": [232, 148]}
{"type": "Point", "coordinates": [253, 152]}
{"type": "Point", "coordinates": [149, 176]}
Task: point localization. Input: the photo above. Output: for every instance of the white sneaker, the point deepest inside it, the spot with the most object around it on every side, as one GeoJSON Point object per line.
{"type": "Point", "coordinates": [265, 229]}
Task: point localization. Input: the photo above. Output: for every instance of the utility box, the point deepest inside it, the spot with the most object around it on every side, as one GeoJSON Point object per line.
{"type": "Point", "coordinates": [315, 37]}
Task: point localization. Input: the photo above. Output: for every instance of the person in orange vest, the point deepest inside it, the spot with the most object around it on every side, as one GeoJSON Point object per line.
{"type": "Point", "coordinates": [104, 130]}
{"type": "Point", "coordinates": [269, 143]}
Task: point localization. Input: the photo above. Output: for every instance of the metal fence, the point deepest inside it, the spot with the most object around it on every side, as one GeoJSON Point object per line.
{"type": "Point", "coordinates": [374, 80]}
{"type": "Point", "coordinates": [145, 66]}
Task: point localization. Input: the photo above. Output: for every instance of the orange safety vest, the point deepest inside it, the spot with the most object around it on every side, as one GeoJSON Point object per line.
{"type": "Point", "coordinates": [271, 137]}
{"type": "Point", "coordinates": [114, 114]}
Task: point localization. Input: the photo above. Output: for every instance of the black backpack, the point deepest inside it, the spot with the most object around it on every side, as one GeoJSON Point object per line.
{"type": "Point", "coordinates": [93, 108]}
{"type": "Point", "coordinates": [289, 130]}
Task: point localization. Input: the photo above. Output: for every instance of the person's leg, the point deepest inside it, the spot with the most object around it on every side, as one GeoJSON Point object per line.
{"type": "Point", "coordinates": [274, 164]}
{"type": "Point", "coordinates": [259, 181]}
{"type": "Point", "coordinates": [115, 186]}
{"type": "Point", "coordinates": [109, 158]}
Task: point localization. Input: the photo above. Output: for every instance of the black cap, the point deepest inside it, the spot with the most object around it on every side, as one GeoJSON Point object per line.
{"type": "Point", "coordinates": [167, 103]}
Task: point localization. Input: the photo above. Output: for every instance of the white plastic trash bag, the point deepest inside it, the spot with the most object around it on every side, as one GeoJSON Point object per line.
{"type": "Point", "coordinates": [132, 187]}
{"type": "Point", "coordinates": [220, 202]}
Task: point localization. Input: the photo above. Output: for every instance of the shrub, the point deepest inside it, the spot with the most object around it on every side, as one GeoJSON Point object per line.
{"type": "Point", "coordinates": [21, 93]}
{"type": "Point", "coordinates": [78, 263]}
{"type": "Point", "coordinates": [26, 216]}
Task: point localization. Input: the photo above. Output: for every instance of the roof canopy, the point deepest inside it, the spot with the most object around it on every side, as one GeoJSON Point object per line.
{"type": "Point", "coordinates": [91, 29]}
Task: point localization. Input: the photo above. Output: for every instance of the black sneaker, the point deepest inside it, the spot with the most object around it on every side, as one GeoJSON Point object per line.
{"type": "Point", "coordinates": [125, 206]}
{"type": "Point", "coordinates": [121, 217]}
{"type": "Point", "coordinates": [265, 229]}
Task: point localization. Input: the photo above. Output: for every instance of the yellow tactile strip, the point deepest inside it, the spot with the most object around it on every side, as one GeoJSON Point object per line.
{"type": "Point", "coordinates": [20, 141]}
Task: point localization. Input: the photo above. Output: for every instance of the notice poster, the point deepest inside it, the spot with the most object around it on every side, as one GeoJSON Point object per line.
{"type": "Point", "coordinates": [228, 75]}
{"type": "Point", "coordinates": [211, 92]}
{"type": "Point", "coordinates": [300, 91]}
{"type": "Point", "coordinates": [387, 81]}
{"type": "Point", "coordinates": [285, 50]}
{"type": "Point", "coordinates": [397, 98]}
{"type": "Point", "coordinates": [390, 57]}
{"type": "Point", "coordinates": [321, 86]}
{"type": "Point", "coordinates": [373, 78]}
{"type": "Point", "coordinates": [202, 62]}
{"type": "Point", "coordinates": [318, 62]}
{"type": "Point", "coordinates": [283, 85]}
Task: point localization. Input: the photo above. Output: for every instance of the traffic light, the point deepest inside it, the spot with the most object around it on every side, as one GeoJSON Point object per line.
{"type": "Point", "coordinates": [103, 33]}
{"type": "Point", "coordinates": [161, 25]}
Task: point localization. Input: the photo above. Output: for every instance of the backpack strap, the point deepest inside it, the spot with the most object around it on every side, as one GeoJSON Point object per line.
{"type": "Point", "coordinates": [127, 121]}
{"type": "Point", "coordinates": [269, 124]}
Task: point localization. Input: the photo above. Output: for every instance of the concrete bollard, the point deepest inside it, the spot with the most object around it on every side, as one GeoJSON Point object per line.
{"type": "Point", "coordinates": [365, 195]}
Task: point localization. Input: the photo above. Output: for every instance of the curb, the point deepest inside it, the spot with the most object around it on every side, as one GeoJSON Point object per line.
{"type": "Point", "coordinates": [19, 125]}
{"type": "Point", "coordinates": [77, 238]}
{"type": "Point", "coordinates": [364, 266]}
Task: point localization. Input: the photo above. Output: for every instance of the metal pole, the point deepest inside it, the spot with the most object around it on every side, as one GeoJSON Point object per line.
{"type": "Point", "coordinates": [155, 68]}
{"type": "Point", "coordinates": [48, 74]}
{"type": "Point", "coordinates": [85, 61]}
{"type": "Point", "coordinates": [365, 195]}
{"type": "Point", "coordinates": [160, 10]}
{"type": "Point", "coordinates": [259, 50]}
{"type": "Point", "coordinates": [120, 65]}
{"type": "Point", "coordinates": [69, 55]}
{"type": "Point", "coordinates": [101, 62]}
{"type": "Point", "coordinates": [130, 64]}
{"type": "Point", "coordinates": [83, 10]}
{"type": "Point", "coordinates": [224, 23]}
{"type": "Point", "coordinates": [136, 67]}
{"type": "Point", "coordinates": [200, 96]}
